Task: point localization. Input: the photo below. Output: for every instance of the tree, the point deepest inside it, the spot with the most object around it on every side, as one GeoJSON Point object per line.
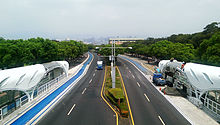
{"type": "Point", "coordinates": [211, 28]}
{"type": "Point", "coordinates": [209, 50]}
{"type": "Point", "coordinates": [14, 53]}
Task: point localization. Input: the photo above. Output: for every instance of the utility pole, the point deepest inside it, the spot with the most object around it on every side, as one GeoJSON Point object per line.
{"type": "Point", "coordinates": [113, 60]}
{"type": "Point", "coordinates": [113, 64]}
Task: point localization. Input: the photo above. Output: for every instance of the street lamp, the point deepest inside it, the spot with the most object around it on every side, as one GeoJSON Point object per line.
{"type": "Point", "coordinates": [113, 60]}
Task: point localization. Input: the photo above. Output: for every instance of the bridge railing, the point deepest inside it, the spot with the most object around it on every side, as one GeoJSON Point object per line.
{"type": "Point", "coordinates": [8, 109]}
{"type": "Point", "coordinates": [211, 105]}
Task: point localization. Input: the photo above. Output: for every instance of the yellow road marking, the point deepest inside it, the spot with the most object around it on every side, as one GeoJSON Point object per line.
{"type": "Point", "coordinates": [132, 120]}
{"type": "Point", "coordinates": [105, 99]}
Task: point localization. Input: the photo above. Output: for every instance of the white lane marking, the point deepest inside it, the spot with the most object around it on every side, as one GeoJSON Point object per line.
{"type": "Point", "coordinates": [129, 71]}
{"type": "Point", "coordinates": [83, 91]}
{"type": "Point", "coordinates": [161, 120]}
{"type": "Point", "coordinates": [138, 84]}
{"type": "Point", "coordinates": [126, 67]}
{"type": "Point", "coordinates": [94, 74]}
{"type": "Point", "coordinates": [146, 97]}
{"type": "Point", "coordinates": [71, 109]}
{"type": "Point", "coordinates": [90, 81]}
{"type": "Point", "coordinates": [133, 76]}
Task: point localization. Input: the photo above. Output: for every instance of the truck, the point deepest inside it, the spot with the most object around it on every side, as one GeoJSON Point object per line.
{"type": "Point", "coordinates": [99, 65]}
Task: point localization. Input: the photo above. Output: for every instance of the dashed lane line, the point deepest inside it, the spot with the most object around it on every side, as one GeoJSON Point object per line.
{"type": "Point", "coordinates": [133, 76]}
{"type": "Point", "coordinates": [83, 91]}
{"type": "Point", "coordinates": [161, 120]}
{"type": "Point", "coordinates": [138, 84]}
{"type": "Point", "coordinates": [71, 109]}
{"type": "Point", "coordinates": [146, 97]}
{"type": "Point", "coordinates": [90, 81]}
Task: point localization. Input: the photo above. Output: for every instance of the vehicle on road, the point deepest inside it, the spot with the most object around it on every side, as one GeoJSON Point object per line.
{"type": "Point", "coordinates": [158, 79]}
{"type": "Point", "coordinates": [99, 65]}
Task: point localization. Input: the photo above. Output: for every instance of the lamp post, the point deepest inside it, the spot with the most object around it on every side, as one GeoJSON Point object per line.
{"type": "Point", "coordinates": [113, 60]}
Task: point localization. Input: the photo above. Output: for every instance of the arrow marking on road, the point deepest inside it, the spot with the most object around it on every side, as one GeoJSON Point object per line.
{"type": "Point", "coordinates": [147, 97]}
{"type": "Point", "coordinates": [83, 91]}
{"type": "Point", "coordinates": [138, 84]}
{"type": "Point", "coordinates": [161, 120]}
{"type": "Point", "coordinates": [71, 109]}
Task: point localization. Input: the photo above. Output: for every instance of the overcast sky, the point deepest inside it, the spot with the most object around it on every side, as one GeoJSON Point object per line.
{"type": "Point", "coordinates": [83, 18]}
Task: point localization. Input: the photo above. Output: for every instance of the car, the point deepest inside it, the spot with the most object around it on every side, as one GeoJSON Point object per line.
{"type": "Point", "coordinates": [158, 79]}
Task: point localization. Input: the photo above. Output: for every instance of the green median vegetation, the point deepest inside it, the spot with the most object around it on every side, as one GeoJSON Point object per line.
{"type": "Point", "coordinates": [116, 95]}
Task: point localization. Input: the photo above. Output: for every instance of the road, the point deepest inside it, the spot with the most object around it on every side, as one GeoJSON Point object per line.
{"type": "Point", "coordinates": [148, 106]}
{"type": "Point", "coordinates": [83, 105]}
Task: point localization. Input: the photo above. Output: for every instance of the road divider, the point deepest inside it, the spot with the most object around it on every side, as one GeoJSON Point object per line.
{"type": "Point", "coordinates": [102, 90]}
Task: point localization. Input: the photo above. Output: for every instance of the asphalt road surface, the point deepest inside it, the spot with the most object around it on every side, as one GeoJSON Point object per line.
{"type": "Point", "coordinates": [148, 106]}
{"type": "Point", "coordinates": [83, 105]}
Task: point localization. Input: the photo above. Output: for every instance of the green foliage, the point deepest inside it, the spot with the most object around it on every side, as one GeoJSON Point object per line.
{"type": "Point", "coordinates": [116, 95]}
{"type": "Point", "coordinates": [202, 47]}
{"type": "Point", "coordinates": [15, 53]}
{"type": "Point", "coordinates": [209, 50]}
{"type": "Point", "coordinates": [108, 51]}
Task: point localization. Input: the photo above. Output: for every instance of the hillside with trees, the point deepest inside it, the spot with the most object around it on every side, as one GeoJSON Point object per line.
{"type": "Point", "coordinates": [16, 53]}
{"type": "Point", "coordinates": [202, 47]}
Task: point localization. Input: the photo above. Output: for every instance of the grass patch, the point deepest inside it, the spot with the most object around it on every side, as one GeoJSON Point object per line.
{"type": "Point", "coordinates": [116, 95]}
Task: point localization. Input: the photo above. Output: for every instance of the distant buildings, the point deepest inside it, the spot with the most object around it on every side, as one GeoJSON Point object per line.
{"type": "Point", "coordinates": [119, 41]}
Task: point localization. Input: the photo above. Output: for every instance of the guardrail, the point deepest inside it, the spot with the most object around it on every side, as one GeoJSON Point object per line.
{"type": "Point", "coordinates": [8, 109]}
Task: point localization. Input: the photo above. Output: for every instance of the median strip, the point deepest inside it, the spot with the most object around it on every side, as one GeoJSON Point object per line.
{"type": "Point", "coordinates": [116, 114]}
